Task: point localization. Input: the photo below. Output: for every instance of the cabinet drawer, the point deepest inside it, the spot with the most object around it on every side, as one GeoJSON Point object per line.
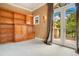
{"type": "Point", "coordinates": [6, 39]}
{"type": "Point", "coordinates": [30, 36]}
{"type": "Point", "coordinates": [29, 20]}
{"type": "Point", "coordinates": [6, 20]}
{"type": "Point", "coordinates": [6, 26]}
{"type": "Point", "coordinates": [6, 13]}
{"type": "Point", "coordinates": [4, 31]}
{"type": "Point", "coordinates": [18, 21]}
{"type": "Point", "coordinates": [19, 16]}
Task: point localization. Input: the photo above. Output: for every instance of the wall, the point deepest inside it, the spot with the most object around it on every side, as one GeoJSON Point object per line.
{"type": "Point", "coordinates": [41, 29]}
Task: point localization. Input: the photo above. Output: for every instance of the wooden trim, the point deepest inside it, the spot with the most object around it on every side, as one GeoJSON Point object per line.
{"type": "Point", "coordinates": [19, 19]}
{"type": "Point", "coordinates": [6, 17]}
{"type": "Point", "coordinates": [13, 29]}
{"type": "Point", "coordinates": [6, 24]}
{"type": "Point", "coordinates": [29, 25]}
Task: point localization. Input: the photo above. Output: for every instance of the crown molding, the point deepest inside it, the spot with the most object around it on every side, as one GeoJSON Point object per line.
{"type": "Point", "coordinates": [19, 6]}
{"type": "Point", "coordinates": [26, 8]}
{"type": "Point", "coordinates": [39, 7]}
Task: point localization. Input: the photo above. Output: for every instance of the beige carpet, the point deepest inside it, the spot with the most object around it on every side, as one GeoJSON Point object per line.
{"type": "Point", "coordinates": [34, 48]}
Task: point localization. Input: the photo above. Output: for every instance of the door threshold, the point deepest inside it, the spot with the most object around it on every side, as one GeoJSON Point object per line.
{"type": "Point", "coordinates": [65, 46]}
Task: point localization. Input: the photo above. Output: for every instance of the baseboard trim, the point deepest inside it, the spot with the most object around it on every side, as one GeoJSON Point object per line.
{"type": "Point", "coordinates": [39, 38]}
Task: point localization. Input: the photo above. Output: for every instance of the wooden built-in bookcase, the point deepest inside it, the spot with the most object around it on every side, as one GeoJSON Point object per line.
{"type": "Point", "coordinates": [15, 27]}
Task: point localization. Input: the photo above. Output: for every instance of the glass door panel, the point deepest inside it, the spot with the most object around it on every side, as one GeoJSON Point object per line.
{"type": "Point", "coordinates": [56, 28]}
{"type": "Point", "coordinates": [70, 40]}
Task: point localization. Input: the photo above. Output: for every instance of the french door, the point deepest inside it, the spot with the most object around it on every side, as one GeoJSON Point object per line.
{"type": "Point", "coordinates": [64, 26]}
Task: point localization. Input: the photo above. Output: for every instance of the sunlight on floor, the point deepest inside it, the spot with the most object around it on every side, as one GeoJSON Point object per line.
{"type": "Point", "coordinates": [34, 48]}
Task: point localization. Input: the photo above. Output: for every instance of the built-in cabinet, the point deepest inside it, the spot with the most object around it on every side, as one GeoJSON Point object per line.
{"type": "Point", "coordinates": [15, 27]}
{"type": "Point", "coordinates": [6, 33]}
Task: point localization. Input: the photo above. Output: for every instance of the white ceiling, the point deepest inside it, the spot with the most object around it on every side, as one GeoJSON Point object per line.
{"type": "Point", "coordinates": [28, 6]}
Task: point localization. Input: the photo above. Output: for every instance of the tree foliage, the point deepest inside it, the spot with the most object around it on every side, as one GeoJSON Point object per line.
{"type": "Point", "coordinates": [70, 25]}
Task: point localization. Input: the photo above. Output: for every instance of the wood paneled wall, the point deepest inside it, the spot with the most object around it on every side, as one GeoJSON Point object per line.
{"type": "Point", "coordinates": [15, 27]}
{"type": "Point", "coordinates": [41, 29]}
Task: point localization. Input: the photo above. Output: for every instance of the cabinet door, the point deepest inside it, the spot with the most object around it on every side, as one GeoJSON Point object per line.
{"type": "Point", "coordinates": [6, 33]}
{"type": "Point", "coordinates": [19, 21]}
{"type": "Point", "coordinates": [5, 20]}
{"type": "Point", "coordinates": [30, 33]}
{"type": "Point", "coordinates": [29, 20]}
{"type": "Point", "coordinates": [24, 32]}
{"type": "Point", "coordinates": [18, 33]}
{"type": "Point", "coordinates": [19, 16]}
{"type": "Point", "coordinates": [29, 29]}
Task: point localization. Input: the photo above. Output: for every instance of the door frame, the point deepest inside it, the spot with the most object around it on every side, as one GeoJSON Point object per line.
{"type": "Point", "coordinates": [62, 11]}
